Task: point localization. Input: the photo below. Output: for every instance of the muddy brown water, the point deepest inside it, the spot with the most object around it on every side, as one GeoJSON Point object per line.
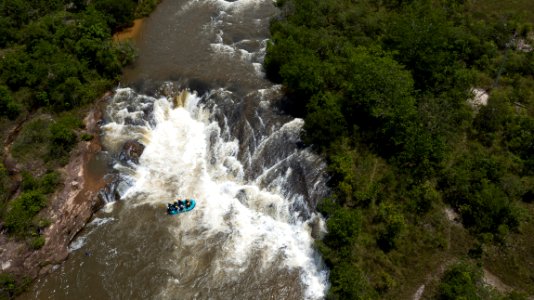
{"type": "Point", "coordinates": [197, 99]}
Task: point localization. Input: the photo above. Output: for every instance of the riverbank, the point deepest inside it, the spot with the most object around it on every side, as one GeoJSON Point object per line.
{"type": "Point", "coordinates": [129, 33]}
{"type": "Point", "coordinates": [69, 209]}
{"type": "Point", "coordinates": [49, 188]}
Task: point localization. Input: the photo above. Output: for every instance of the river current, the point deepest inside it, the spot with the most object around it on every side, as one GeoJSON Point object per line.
{"type": "Point", "coordinates": [197, 100]}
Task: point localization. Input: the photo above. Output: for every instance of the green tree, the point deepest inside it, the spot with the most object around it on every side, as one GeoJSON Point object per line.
{"type": "Point", "coordinates": [393, 223]}
{"type": "Point", "coordinates": [349, 282]}
{"type": "Point", "coordinates": [119, 13]}
{"type": "Point", "coordinates": [63, 136]}
{"type": "Point", "coordinates": [8, 107]}
{"type": "Point", "coordinates": [460, 282]}
{"type": "Point", "coordinates": [18, 10]}
{"type": "Point", "coordinates": [324, 121]}
{"type": "Point", "coordinates": [343, 227]}
{"type": "Point", "coordinates": [427, 43]}
{"type": "Point", "coordinates": [519, 138]}
{"type": "Point", "coordinates": [378, 99]}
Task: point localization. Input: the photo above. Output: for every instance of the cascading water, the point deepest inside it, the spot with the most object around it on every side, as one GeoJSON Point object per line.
{"type": "Point", "coordinates": [251, 234]}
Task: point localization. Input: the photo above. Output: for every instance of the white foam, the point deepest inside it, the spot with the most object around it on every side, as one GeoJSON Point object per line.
{"type": "Point", "coordinates": [187, 157]}
{"type": "Point", "coordinates": [186, 7]}
{"type": "Point", "coordinates": [239, 5]}
{"type": "Point", "coordinates": [108, 207]}
{"type": "Point", "coordinates": [100, 221]}
{"type": "Point", "coordinates": [258, 68]}
{"type": "Point", "coordinates": [231, 13]}
{"type": "Point", "coordinates": [77, 243]}
{"type": "Point", "coordinates": [81, 240]}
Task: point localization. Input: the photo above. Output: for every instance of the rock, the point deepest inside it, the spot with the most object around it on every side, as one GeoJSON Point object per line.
{"type": "Point", "coordinates": [69, 210]}
{"type": "Point", "coordinates": [6, 265]}
{"type": "Point", "coordinates": [11, 165]}
{"type": "Point", "coordinates": [479, 99]}
{"type": "Point", "coordinates": [131, 151]}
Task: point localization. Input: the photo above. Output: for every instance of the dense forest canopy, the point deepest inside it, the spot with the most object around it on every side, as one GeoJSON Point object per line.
{"type": "Point", "coordinates": [387, 90]}
{"type": "Point", "coordinates": [59, 54]}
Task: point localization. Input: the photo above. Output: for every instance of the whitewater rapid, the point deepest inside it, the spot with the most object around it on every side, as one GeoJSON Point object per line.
{"type": "Point", "coordinates": [185, 156]}
{"type": "Point", "coordinates": [211, 126]}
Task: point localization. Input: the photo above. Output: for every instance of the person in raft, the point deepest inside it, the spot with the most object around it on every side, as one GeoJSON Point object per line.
{"type": "Point", "coordinates": [179, 205]}
{"type": "Point", "coordinates": [187, 203]}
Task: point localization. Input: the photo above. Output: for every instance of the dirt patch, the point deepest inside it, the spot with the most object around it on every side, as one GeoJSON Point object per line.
{"type": "Point", "coordinates": [129, 33]}
{"type": "Point", "coordinates": [433, 277]}
{"type": "Point", "coordinates": [494, 281]}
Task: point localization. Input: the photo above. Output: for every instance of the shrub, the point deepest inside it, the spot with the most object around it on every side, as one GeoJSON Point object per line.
{"type": "Point", "coordinates": [11, 287]}
{"type": "Point", "coordinates": [7, 286]}
{"type": "Point", "coordinates": [8, 107]}
{"type": "Point", "coordinates": [29, 183]}
{"type": "Point", "coordinates": [145, 7]}
{"type": "Point", "coordinates": [49, 182]}
{"type": "Point", "coordinates": [63, 136]}
{"type": "Point", "coordinates": [32, 139]}
{"type": "Point", "coordinates": [460, 282]}
{"type": "Point", "coordinates": [18, 219]}
{"type": "Point", "coordinates": [349, 282]}
{"type": "Point", "coordinates": [86, 137]}
{"type": "Point", "coordinates": [37, 242]}
{"type": "Point", "coordinates": [119, 13]}
{"type": "Point", "coordinates": [343, 228]}
{"type": "Point", "coordinates": [46, 184]}
{"type": "Point", "coordinates": [392, 224]}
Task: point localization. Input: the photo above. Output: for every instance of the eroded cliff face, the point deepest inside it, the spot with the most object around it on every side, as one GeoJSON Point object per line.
{"type": "Point", "coordinates": [68, 210]}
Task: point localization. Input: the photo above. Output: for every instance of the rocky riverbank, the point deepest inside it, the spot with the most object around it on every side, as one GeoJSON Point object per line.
{"type": "Point", "coordinates": [68, 211]}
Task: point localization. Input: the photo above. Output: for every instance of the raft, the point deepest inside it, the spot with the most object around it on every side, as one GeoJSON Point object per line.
{"type": "Point", "coordinates": [173, 209]}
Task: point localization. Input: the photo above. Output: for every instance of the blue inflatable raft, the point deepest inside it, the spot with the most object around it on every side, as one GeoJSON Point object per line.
{"type": "Point", "coordinates": [180, 206]}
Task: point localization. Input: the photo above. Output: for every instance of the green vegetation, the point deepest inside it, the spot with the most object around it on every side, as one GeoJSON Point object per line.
{"type": "Point", "coordinates": [460, 281]}
{"type": "Point", "coordinates": [383, 87]}
{"type": "Point", "coordinates": [11, 286]}
{"type": "Point", "coordinates": [145, 7]}
{"type": "Point", "coordinates": [44, 138]}
{"type": "Point", "coordinates": [56, 58]}
{"type": "Point", "coordinates": [86, 137]}
{"type": "Point", "coordinates": [8, 107]}
{"type": "Point", "coordinates": [60, 55]}
{"type": "Point", "coordinates": [463, 280]}
{"type": "Point", "coordinates": [18, 220]}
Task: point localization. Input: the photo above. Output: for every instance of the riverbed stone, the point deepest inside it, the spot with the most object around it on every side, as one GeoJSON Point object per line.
{"type": "Point", "coordinates": [131, 151]}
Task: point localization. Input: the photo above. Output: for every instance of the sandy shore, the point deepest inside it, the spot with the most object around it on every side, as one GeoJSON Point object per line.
{"type": "Point", "coordinates": [129, 33]}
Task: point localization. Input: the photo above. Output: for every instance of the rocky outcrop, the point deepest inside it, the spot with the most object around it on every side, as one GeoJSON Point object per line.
{"type": "Point", "coordinates": [131, 151]}
{"type": "Point", "coordinates": [68, 211]}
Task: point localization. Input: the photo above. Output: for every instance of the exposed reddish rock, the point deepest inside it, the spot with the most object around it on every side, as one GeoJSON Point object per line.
{"type": "Point", "coordinates": [69, 210]}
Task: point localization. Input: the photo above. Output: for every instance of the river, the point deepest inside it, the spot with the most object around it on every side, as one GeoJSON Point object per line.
{"type": "Point", "coordinates": [198, 102]}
